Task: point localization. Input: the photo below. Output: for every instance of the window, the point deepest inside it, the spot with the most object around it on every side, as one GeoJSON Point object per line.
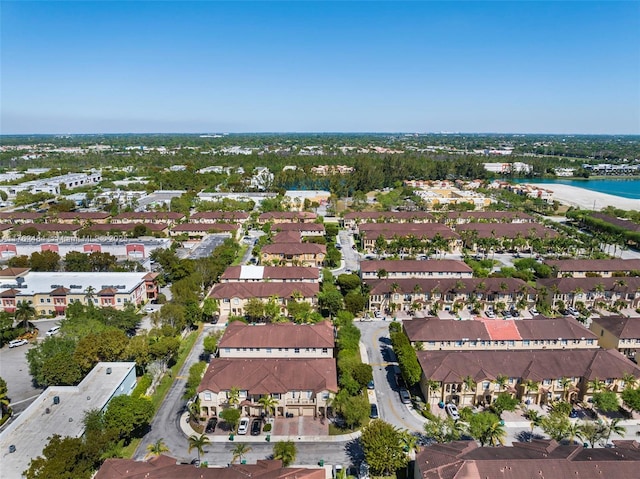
{"type": "Point", "coordinates": [547, 382]}
{"type": "Point", "coordinates": [41, 300]}
{"type": "Point", "coordinates": [268, 350]}
{"type": "Point", "coordinates": [207, 396]}
{"type": "Point", "coordinates": [227, 350]}
{"type": "Point", "coordinates": [325, 351]}
{"type": "Point", "coordinates": [296, 350]}
{"type": "Point", "coordinates": [275, 395]}
{"type": "Point", "coordinates": [485, 385]}
{"type": "Point", "coordinates": [48, 300]}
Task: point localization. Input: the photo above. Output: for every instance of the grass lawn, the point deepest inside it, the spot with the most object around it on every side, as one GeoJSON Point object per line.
{"type": "Point", "coordinates": [241, 252]}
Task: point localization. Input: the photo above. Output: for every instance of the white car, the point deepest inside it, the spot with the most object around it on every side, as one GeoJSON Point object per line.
{"type": "Point", "coordinates": [149, 309]}
{"type": "Point", "coordinates": [18, 342]}
{"type": "Point", "coordinates": [452, 410]}
{"type": "Point", "coordinates": [53, 331]}
{"type": "Point", "coordinates": [244, 425]}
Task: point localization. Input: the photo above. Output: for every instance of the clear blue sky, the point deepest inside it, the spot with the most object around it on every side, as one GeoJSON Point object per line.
{"type": "Point", "coordinates": [116, 66]}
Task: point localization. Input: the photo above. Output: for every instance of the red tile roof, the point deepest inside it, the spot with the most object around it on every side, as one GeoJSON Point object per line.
{"type": "Point", "coordinates": [507, 230]}
{"type": "Point", "coordinates": [48, 227]}
{"type": "Point", "coordinates": [300, 227]}
{"type": "Point", "coordinates": [263, 290]}
{"type": "Point", "coordinates": [287, 215]}
{"type": "Point", "coordinates": [205, 227]}
{"type": "Point", "coordinates": [150, 215]}
{"type": "Point", "coordinates": [270, 376]}
{"type": "Point", "coordinates": [622, 327]}
{"type": "Point", "coordinates": [153, 227]}
{"type": "Point", "coordinates": [270, 272]}
{"type": "Point", "coordinates": [294, 248]}
{"type": "Point", "coordinates": [287, 237]}
{"type": "Point", "coordinates": [278, 335]}
{"type": "Point", "coordinates": [594, 265]}
{"type": "Point", "coordinates": [388, 215]}
{"type": "Point", "coordinates": [415, 266]}
{"type": "Point", "coordinates": [220, 215]}
{"type": "Point", "coordinates": [420, 230]}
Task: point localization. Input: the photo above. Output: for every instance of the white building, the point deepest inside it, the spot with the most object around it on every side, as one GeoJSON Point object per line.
{"type": "Point", "coordinates": [53, 185]}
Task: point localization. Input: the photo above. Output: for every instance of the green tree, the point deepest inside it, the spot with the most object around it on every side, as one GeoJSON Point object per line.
{"type": "Point", "coordinates": [157, 448]}
{"type": "Point", "coordinates": [556, 425]}
{"type": "Point", "coordinates": [254, 310]}
{"type": "Point", "coordinates": [52, 362]}
{"type": "Point", "coordinates": [355, 302]}
{"type": "Point", "coordinates": [592, 432]}
{"type": "Point", "coordinates": [268, 403]}
{"type": "Point", "coordinates": [211, 341]}
{"type": "Point", "coordinates": [62, 457]}
{"type": "Point", "coordinates": [24, 313]}
{"type": "Point", "coordinates": [383, 447]}
{"type": "Point", "coordinates": [606, 401]}
{"type": "Point", "coordinates": [443, 429]}
{"type": "Point", "coordinates": [348, 282]}
{"type": "Point", "coordinates": [504, 402]}
{"type": "Point", "coordinates": [285, 451]}
{"type": "Point", "coordinates": [330, 301]}
{"type": "Point", "coordinates": [44, 261]}
{"type": "Point", "coordinates": [4, 398]}
{"type": "Point", "coordinates": [631, 397]}
{"type": "Point", "coordinates": [231, 416]}
{"type": "Point", "coordinates": [487, 428]}
{"type": "Point", "coordinates": [128, 415]}
{"type": "Point", "coordinates": [198, 443]}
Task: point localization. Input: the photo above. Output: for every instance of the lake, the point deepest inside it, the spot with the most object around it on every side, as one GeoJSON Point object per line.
{"type": "Point", "coordinates": [625, 187]}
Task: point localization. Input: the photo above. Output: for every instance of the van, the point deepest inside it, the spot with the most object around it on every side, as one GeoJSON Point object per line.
{"type": "Point", "coordinates": [53, 331]}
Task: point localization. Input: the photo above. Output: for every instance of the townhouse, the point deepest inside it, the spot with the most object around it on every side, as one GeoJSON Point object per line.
{"type": "Point", "coordinates": [449, 294]}
{"type": "Point", "coordinates": [20, 217]}
{"type": "Point", "coordinates": [595, 268]}
{"type": "Point", "coordinates": [300, 387]}
{"type": "Point", "coordinates": [304, 229]}
{"type": "Point", "coordinates": [287, 217]}
{"type": "Point", "coordinates": [274, 274]}
{"type": "Point", "coordinates": [240, 217]}
{"type": "Point", "coordinates": [277, 340]}
{"type": "Point", "coordinates": [293, 254]}
{"type": "Point", "coordinates": [115, 229]}
{"type": "Point", "coordinates": [46, 229]}
{"type": "Point", "coordinates": [434, 334]}
{"type": "Point", "coordinates": [590, 292]}
{"type": "Point", "coordinates": [463, 217]}
{"type": "Point", "coordinates": [501, 232]}
{"type": "Point", "coordinates": [200, 230]}
{"type": "Point", "coordinates": [424, 235]}
{"type": "Point", "coordinates": [79, 217]}
{"type": "Point", "coordinates": [537, 458]}
{"type": "Point", "coordinates": [390, 269]}
{"type": "Point", "coordinates": [166, 217]}
{"type": "Point", "coordinates": [352, 219]}
{"type": "Point", "coordinates": [51, 293]}
{"type": "Point", "coordinates": [618, 332]}
{"type": "Point", "coordinates": [233, 297]}
{"type": "Point", "coordinates": [470, 378]}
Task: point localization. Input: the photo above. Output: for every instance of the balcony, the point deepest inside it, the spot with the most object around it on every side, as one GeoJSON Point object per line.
{"type": "Point", "coordinates": [298, 401]}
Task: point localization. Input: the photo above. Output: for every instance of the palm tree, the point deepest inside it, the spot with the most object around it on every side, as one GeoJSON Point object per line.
{"type": "Point", "coordinates": [565, 383]}
{"type": "Point", "coordinates": [268, 403]}
{"type": "Point", "coordinates": [24, 312]}
{"type": "Point", "coordinates": [233, 397]}
{"type": "Point", "coordinates": [573, 431]}
{"type": "Point", "coordinates": [630, 380]}
{"type": "Point", "coordinates": [198, 442]}
{"type": "Point", "coordinates": [4, 398]}
{"type": "Point", "coordinates": [592, 432]}
{"type": "Point", "coordinates": [596, 385]}
{"type": "Point", "coordinates": [285, 451]}
{"type": "Point", "coordinates": [433, 386]}
{"type": "Point", "coordinates": [240, 451]}
{"type": "Point", "coordinates": [495, 434]}
{"type": "Point", "coordinates": [157, 447]}
{"type": "Point", "coordinates": [534, 418]}
{"type": "Point", "coordinates": [615, 428]}
{"type": "Point", "coordinates": [89, 293]}
{"type": "Point", "coordinates": [501, 380]}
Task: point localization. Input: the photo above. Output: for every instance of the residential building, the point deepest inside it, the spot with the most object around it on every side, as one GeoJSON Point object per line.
{"type": "Point", "coordinates": [116, 229]}
{"type": "Point", "coordinates": [277, 340]}
{"type": "Point", "coordinates": [78, 217]}
{"type": "Point", "coordinates": [164, 217]}
{"type": "Point", "coordinates": [61, 410]}
{"type": "Point", "coordinates": [354, 218]}
{"type": "Point", "coordinates": [526, 232]}
{"type": "Point", "coordinates": [165, 467]}
{"type": "Point", "coordinates": [305, 229]}
{"type": "Point", "coordinates": [51, 293]}
{"type": "Point", "coordinates": [302, 387]}
{"type": "Point", "coordinates": [273, 274]}
{"type": "Point", "coordinates": [434, 334]}
{"type": "Point", "coordinates": [46, 229]}
{"type": "Point", "coordinates": [524, 460]}
{"type": "Point", "coordinates": [20, 217]}
{"type": "Point", "coordinates": [463, 217]}
{"type": "Point", "coordinates": [200, 230]}
{"type": "Point", "coordinates": [449, 294]}
{"type": "Point", "coordinates": [286, 237]}
{"type": "Point", "coordinates": [293, 254]}
{"type": "Point", "coordinates": [469, 378]}
{"type": "Point", "coordinates": [618, 332]}
{"type": "Point", "coordinates": [287, 217]}
{"type": "Point", "coordinates": [425, 233]}
{"type": "Point", "coordinates": [602, 268]}
{"type": "Point", "coordinates": [218, 216]}
{"type": "Point", "coordinates": [392, 269]}
{"type": "Point", "coordinates": [233, 297]}
{"type": "Point", "coordinates": [590, 292]}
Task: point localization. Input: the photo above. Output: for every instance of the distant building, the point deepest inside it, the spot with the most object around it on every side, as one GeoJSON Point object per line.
{"type": "Point", "coordinates": [54, 184]}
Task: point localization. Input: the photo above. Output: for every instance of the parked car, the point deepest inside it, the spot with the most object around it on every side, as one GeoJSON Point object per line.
{"type": "Point", "coordinates": [490, 314]}
{"type": "Point", "coordinates": [256, 427]}
{"type": "Point", "coordinates": [573, 414]}
{"type": "Point", "coordinates": [405, 397]}
{"type": "Point", "coordinates": [244, 425]}
{"type": "Point", "coordinates": [572, 311]}
{"type": "Point", "coordinates": [533, 311]}
{"type": "Point", "coordinates": [371, 385]}
{"type": "Point", "coordinates": [18, 342]}
{"type": "Point", "coordinates": [515, 313]}
{"type": "Point", "coordinates": [211, 425]}
{"type": "Point", "coordinates": [452, 411]}
{"type": "Point", "coordinates": [374, 411]}
{"type": "Point", "coordinates": [53, 331]}
{"type": "Point", "coordinates": [149, 309]}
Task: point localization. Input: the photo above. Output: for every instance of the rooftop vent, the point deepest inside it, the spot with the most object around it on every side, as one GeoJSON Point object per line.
{"type": "Point", "coordinates": [12, 448]}
{"type": "Point", "coordinates": [56, 399]}
{"type": "Point", "coordinates": [108, 370]}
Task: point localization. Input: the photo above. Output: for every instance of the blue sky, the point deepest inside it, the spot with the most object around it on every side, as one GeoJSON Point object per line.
{"type": "Point", "coordinates": [123, 66]}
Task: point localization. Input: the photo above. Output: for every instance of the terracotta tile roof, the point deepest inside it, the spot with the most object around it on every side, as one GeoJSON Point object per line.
{"type": "Point", "coordinates": [5, 227]}
{"type": "Point", "coordinates": [287, 215]}
{"type": "Point", "coordinates": [12, 272]}
{"type": "Point", "coordinates": [594, 265]}
{"type": "Point", "coordinates": [165, 467]}
{"type": "Point", "coordinates": [294, 248]}
{"type": "Point", "coordinates": [507, 230]}
{"type": "Point", "coordinates": [619, 222]}
{"type": "Point", "coordinates": [621, 327]}
{"type": "Point", "coordinates": [278, 335]}
{"type": "Point", "coordinates": [82, 215]}
{"type": "Point", "coordinates": [451, 366]}
{"type": "Point", "coordinates": [61, 291]}
{"type": "Point", "coordinates": [270, 376]}
{"type": "Point", "coordinates": [150, 215]}
{"type": "Point", "coordinates": [108, 292]}
{"type": "Point", "coordinates": [435, 329]}
{"type": "Point", "coordinates": [318, 227]}
{"type": "Point", "coordinates": [538, 458]}
{"type": "Point", "coordinates": [48, 227]}
{"type": "Point", "coordinates": [546, 328]}
{"type": "Point", "coordinates": [420, 230]}
{"type": "Point", "coordinates": [500, 330]}
{"type": "Point", "coordinates": [276, 273]}
{"type": "Point", "coordinates": [20, 215]}
{"type": "Point", "coordinates": [287, 237]}
{"type": "Point", "coordinates": [415, 266]}
{"type": "Point", "coordinates": [220, 215]}
{"type": "Point", "coordinates": [9, 293]}
{"type": "Point", "coordinates": [206, 227]}
{"type": "Point", "coordinates": [448, 285]}
{"type": "Point", "coordinates": [498, 216]}
{"type": "Point", "coordinates": [388, 215]}
{"type": "Point", "coordinates": [263, 290]}
{"type": "Point", "coordinates": [568, 285]}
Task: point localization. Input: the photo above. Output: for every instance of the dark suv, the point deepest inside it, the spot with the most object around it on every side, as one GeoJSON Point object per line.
{"type": "Point", "coordinates": [256, 427]}
{"type": "Point", "coordinates": [211, 425]}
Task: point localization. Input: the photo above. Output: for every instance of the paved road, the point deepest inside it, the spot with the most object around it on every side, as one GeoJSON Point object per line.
{"type": "Point", "coordinates": [350, 256]}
